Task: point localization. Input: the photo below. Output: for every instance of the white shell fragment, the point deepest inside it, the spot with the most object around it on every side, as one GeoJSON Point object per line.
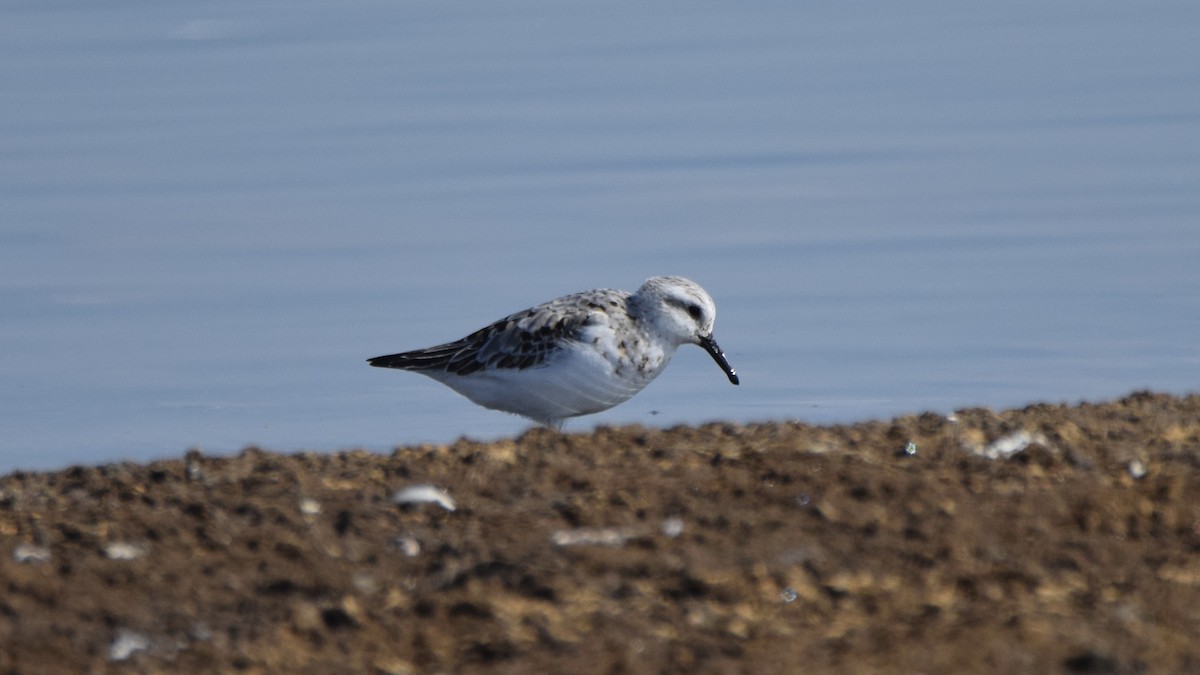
{"type": "Point", "coordinates": [121, 550]}
{"type": "Point", "coordinates": [30, 553]}
{"type": "Point", "coordinates": [417, 494]}
{"type": "Point", "coordinates": [1007, 446]}
{"type": "Point", "coordinates": [592, 536]}
{"type": "Point", "coordinates": [126, 644]}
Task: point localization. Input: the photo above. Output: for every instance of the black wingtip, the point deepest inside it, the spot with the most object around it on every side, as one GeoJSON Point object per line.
{"type": "Point", "coordinates": [390, 361]}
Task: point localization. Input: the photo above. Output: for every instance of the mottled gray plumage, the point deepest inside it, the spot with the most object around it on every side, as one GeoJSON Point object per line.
{"type": "Point", "coordinates": [517, 341]}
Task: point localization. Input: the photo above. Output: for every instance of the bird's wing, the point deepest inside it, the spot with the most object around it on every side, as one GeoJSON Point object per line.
{"type": "Point", "coordinates": [518, 341]}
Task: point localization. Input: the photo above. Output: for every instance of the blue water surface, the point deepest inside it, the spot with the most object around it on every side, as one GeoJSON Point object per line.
{"type": "Point", "coordinates": [213, 213]}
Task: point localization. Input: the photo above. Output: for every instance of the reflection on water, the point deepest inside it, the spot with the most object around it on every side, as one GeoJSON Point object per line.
{"type": "Point", "coordinates": [214, 214]}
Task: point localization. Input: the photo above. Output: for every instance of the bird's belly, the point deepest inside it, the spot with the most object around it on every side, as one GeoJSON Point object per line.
{"type": "Point", "coordinates": [579, 382]}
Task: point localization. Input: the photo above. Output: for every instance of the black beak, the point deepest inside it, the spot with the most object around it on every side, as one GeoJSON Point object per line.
{"type": "Point", "coordinates": [714, 350]}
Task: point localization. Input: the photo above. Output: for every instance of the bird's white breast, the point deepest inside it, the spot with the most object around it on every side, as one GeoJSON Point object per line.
{"type": "Point", "coordinates": [595, 373]}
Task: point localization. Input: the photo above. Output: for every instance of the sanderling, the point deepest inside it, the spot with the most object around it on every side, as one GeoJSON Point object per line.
{"type": "Point", "coordinates": [575, 355]}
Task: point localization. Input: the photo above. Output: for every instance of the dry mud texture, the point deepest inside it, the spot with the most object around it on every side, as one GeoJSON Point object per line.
{"type": "Point", "coordinates": [719, 549]}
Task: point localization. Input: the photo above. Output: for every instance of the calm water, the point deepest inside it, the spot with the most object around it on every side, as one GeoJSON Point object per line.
{"type": "Point", "coordinates": [213, 213]}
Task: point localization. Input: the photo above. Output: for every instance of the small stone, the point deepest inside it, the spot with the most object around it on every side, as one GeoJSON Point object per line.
{"type": "Point", "coordinates": [408, 545]}
{"type": "Point", "coordinates": [1136, 469]}
{"type": "Point", "coordinates": [672, 527]}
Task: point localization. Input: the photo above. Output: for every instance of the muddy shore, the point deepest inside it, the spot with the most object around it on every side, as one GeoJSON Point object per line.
{"type": "Point", "coordinates": [1050, 539]}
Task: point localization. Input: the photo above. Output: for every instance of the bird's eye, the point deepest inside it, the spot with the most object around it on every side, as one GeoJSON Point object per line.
{"type": "Point", "coordinates": [694, 311]}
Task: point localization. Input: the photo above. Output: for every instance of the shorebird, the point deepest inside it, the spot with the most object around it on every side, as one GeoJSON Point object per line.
{"type": "Point", "coordinates": [575, 355]}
